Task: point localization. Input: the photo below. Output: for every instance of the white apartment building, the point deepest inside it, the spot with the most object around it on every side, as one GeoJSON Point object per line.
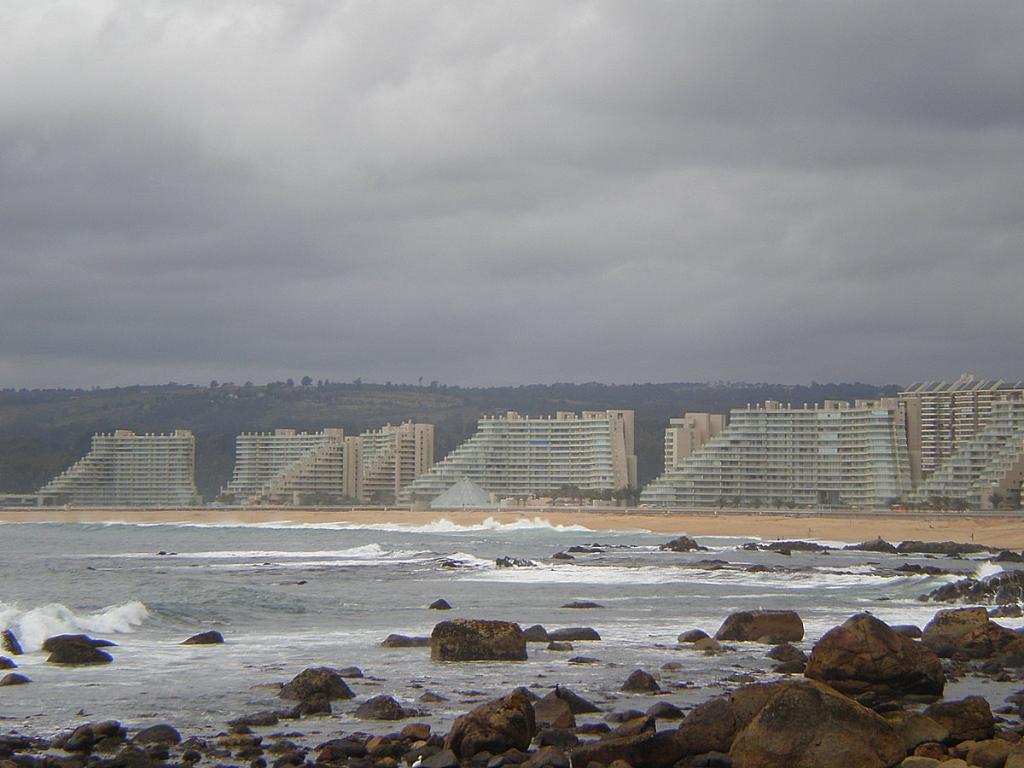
{"type": "Point", "coordinates": [943, 417]}
{"type": "Point", "coordinates": [834, 454]}
{"type": "Point", "coordinates": [290, 467]}
{"type": "Point", "coordinates": [686, 435]}
{"type": "Point", "coordinates": [123, 469]}
{"type": "Point", "coordinates": [521, 456]}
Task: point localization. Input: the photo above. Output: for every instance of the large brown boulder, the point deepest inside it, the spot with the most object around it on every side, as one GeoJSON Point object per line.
{"type": "Point", "coordinates": [76, 650]}
{"type": "Point", "coordinates": [497, 726]}
{"type": "Point", "coordinates": [322, 681]}
{"type": "Point", "coordinates": [712, 726]}
{"type": "Point", "coordinates": [648, 749]}
{"type": "Point", "coordinates": [553, 711]}
{"type": "Point", "coordinates": [809, 725]}
{"type": "Point", "coordinates": [864, 655]}
{"type": "Point", "coordinates": [969, 632]}
{"type": "Point", "coordinates": [969, 718]}
{"type": "Point", "coordinates": [770, 627]}
{"type": "Point", "coordinates": [477, 640]}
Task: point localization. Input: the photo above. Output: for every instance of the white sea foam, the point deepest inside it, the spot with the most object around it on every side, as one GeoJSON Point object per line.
{"type": "Point", "coordinates": [987, 569]}
{"type": "Point", "coordinates": [441, 525]}
{"type": "Point", "coordinates": [34, 625]}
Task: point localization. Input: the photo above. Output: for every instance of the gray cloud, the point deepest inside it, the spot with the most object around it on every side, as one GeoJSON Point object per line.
{"type": "Point", "coordinates": [489, 193]}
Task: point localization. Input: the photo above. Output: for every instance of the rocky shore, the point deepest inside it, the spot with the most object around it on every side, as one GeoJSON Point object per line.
{"type": "Point", "coordinates": [864, 693]}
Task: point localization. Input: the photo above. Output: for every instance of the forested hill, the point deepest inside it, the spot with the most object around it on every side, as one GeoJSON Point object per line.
{"type": "Point", "coordinates": [44, 431]}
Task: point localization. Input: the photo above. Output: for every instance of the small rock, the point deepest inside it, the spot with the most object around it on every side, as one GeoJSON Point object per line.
{"type": "Point", "coordinates": [75, 650]}
{"type": "Point", "coordinates": [692, 636]}
{"type": "Point", "coordinates": [13, 678]}
{"type": "Point", "coordinates": [581, 604]}
{"type": "Point", "coordinates": [9, 643]}
{"type": "Point", "coordinates": [404, 641]}
{"type": "Point", "coordinates": [535, 634]}
{"type": "Point", "coordinates": [562, 556]}
{"type": "Point", "coordinates": [213, 637]}
{"type": "Point", "coordinates": [514, 562]}
{"type": "Point", "coordinates": [683, 544]}
{"type": "Point", "coordinates": [381, 707]}
{"type": "Point", "coordinates": [555, 646]}
{"type": "Point", "coordinates": [663, 710]}
{"type": "Point", "coordinates": [6, 663]}
{"type": "Point", "coordinates": [440, 605]}
{"type": "Point", "coordinates": [640, 682]}
{"type": "Point", "coordinates": [584, 660]}
{"type": "Point", "coordinates": [158, 734]}
{"type": "Point", "coordinates": [574, 634]}
{"type": "Point", "coordinates": [786, 652]}
{"type": "Point", "coordinates": [316, 681]}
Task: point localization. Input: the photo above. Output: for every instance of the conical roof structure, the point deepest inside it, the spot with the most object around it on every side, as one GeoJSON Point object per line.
{"type": "Point", "coordinates": [465, 494]}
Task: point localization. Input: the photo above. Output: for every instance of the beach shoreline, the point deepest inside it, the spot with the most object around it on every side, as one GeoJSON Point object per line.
{"type": "Point", "coordinates": [1003, 531]}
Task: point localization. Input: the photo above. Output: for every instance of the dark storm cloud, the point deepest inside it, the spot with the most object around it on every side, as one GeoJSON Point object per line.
{"type": "Point", "coordinates": [489, 193]}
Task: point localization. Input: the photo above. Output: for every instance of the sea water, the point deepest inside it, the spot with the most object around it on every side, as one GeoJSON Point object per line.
{"type": "Point", "coordinates": [287, 597]}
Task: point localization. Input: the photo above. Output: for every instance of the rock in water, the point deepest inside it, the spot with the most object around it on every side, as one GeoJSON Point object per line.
{"type": "Point", "coordinates": [948, 548]}
{"type": "Point", "coordinates": [382, 707]}
{"type": "Point", "coordinates": [970, 632]}
{"type": "Point", "coordinates": [573, 634]}
{"type": "Point", "coordinates": [76, 650]}
{"type": "Point", "coordinates": [809, 725]}
{"type": "Point", "coordinates": [13, 678]}
{"type": "Point", "coordinates": [317, 681]}
{"type": "Point", "coordinates": [552, 711]}
{"type": "Point", "coordinates": [213, 637]}
{"type": "Point", "coordinates": [875, 545]}
{"type": "Point", "coordinates": [969, 718]}
{"type": "Point", "coordinates": [440, 605]}
{"type": "Point", "coordinates": [9, 643]}
{"type": "Point", "coordinates": [683, 544]}
{"type": "Point", "coordinates": [477, 640]}
{"type": "Point", "coordinates": [495, 727]}
{"type": "Point", "coordinates": [404, 641]}
{"type": "Point", "coordinates": [158, 734]}
{"type": "Point", "coordinates": [640, 682]}
{"type": "Point", "coordinates": [536, 634]}
{"type": "Point", "coordinates": [514, 562]}
{"type": "Point", "coordinates": [770, 627]}
{"type": "Point", "coordinates": [864, 655]}
{"type": "Point", "coordinates": [6, 663]}
{"type": "Point", "coordinates": [692, 636]}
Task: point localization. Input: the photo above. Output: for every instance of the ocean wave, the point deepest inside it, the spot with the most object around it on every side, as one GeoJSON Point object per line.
{"type": "Point", "coordinates": [368, 552]}
{"type": "Point", "coordinates": [444, 525]}
{"type": "Point", "coordinates": [34, 625]}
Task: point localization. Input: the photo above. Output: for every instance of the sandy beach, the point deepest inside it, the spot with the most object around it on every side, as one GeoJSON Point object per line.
{"type": "Point", "coordinates": [1002, 531]}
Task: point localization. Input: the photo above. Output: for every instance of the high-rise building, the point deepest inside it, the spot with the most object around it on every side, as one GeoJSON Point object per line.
{"type": "Point", "coordinates": [123, 469]}
{"type": "Point", "coordinates": [686, 435]}
{"type": "Point", "coordinates": [286, 466]}
{"type": "Point", "coordinates": [391, 458]}
{"type": "Point", "coordinates": [985, 468]}
{"type": "Point", "coordinates": [834, 454]}
{"type": "Point", "coordinates": [943, 417]}
{"type": "Point", "coordinates": [291, 467]}
{"type": "Point", "coordinates": [521, 456]}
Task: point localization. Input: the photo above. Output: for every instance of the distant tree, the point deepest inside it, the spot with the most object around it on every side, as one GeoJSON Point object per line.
{"type": "Point", "coordinates": [306, 381]}
{"type": "Point", "coordinates": [214, 384]}
{"type": "Point", "coordinates": [289, 382]}
{"type": "Point", "coordinates": [997, 500]}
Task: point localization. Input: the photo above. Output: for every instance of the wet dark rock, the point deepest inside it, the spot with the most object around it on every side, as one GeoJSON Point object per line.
{"type": "Point", "coordinates": [477, 640]}
{"type": "Point", "coordinates": [6, 663]}
{"type": "Point", "coordinates": [497, 726]}
{"type": "Point", "coordinates": [796, 546]}
{"type": "Point", "coordinates": [351, 673]}
{"type": "Point", "coordinates": [947, 548]}
{"type": "Point", "coordinates": [584, 660]}
{"type": "Point", "coordinates": [786, 652]}
{"type": "Point", "coordinates": [76, 650]}
{"type": "Point", "coordinates": [809, 725]}
{"type": "Point", "coordinates": [762, 626]}
{"type": "Point", "coordinates": [582, 604]}
{"type": "Point", "coordinates": [970, 633]}
{"type": "Point", "coordinates": [563, 738]}
{"type": "Point", "coordinates": [1006, 556]}
{"type": "Point", "coordinates": [623, 716]}
{"type": "Point", "coordinates": [556, 646]}
{"type": "Point", "coordinates": [907, 630]}
{"type": "Point", "coordinates": [593, 729]}
{"type": "Point", "coordinates": [85, 737]}
{"type": "Point", "coordinates": [969, 718]}
{"type": "Point", "coordinates": [547, 757]}
{"type": "Point", "coordinates": [692, 636]}
{"type": "Point", "coordinates": [562, 556]}
{"type": "Point", "coordinates": [404, 641]}
{"type": "Point", "coordinates": [663, 710]}
{"type": "Point", "coordinates": [9, 643]}
{"type": "Point", "coordinates": [429, 697]}
{"type": "Point", "coordinates": [213, 637]}
{"type": "Point", "coordinates": [649, 749]}
{"type": "Point", "coordinates": [13, 678]}
{"type": "Point", "coordinates": [440, 605]}
{"type": "Point", "coordinates": [313, 704]}
{"type": "Point", "coordinates": [535, 634]}
{"type": "Point", "coordinates": [1006, 612]}
{"type": "Point", "coordinates": [1009, 584]}
{"type": "Point", "coordinates": [337, 750]}
{"type": "Point", "coordinates": [683, 544]}
{"type": "Point", "coordinates": [633, 727]}
{"type": "Point", "coordinates": [874, 545]}
{"type": "Point", "coordinates": [382, 707]}
{"type": "Point", "coordinates": [708, 645]}
{"type": "Point", "coordinates": [582, 550]}
{"type": "Point", "coordinates": [443, 759]}
{"type": "Point", "coordinates": [578, 704]}
{"type": "Point", "coordinates": [552, 711]}
{"type": "Point", "coordinates": [750, 546]}
{"type": "Point", "coordinates": [257, 719]}
{"type": "Point", "coordinates": [640, 682]}
{"type": "Point", "coordinates": [158, 734]}
{"type": "Point", "coordinates": [923, 570]}
{"type": "Point", "coordinates": [573, 634]}
{"type": "Point", "coordinates": [514, 562]}
{"type": "Point", "coordinates": [794, 667]}
{"type": "Point", "coordinates": [323, 681]}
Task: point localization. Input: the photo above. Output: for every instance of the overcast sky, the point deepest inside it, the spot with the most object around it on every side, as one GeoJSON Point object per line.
{"type": "Point", "coordinates": [486, 193]}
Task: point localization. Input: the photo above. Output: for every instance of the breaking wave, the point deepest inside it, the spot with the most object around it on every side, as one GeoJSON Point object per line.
{"type": "Point", "coordinates": [34, 625]}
